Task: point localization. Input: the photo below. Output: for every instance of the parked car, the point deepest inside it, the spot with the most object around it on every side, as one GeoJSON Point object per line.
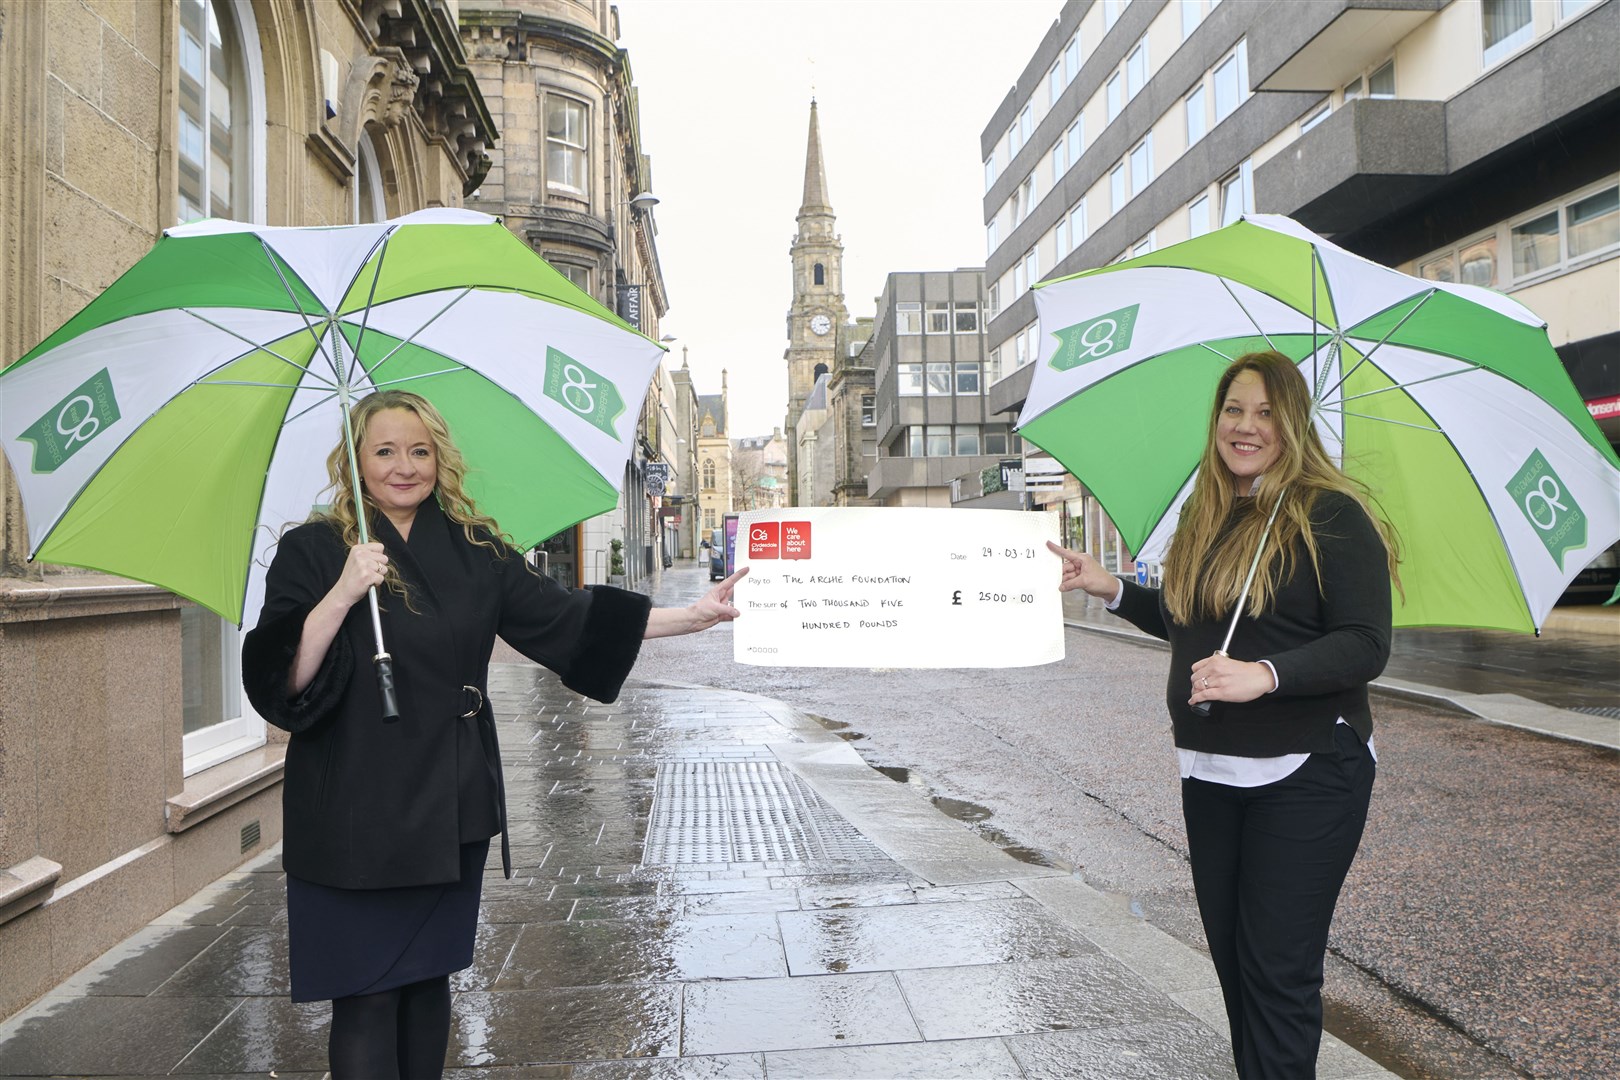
{"type": "Point", "coordinates": [1596, 583]}
{"type": "Point", "coordinates": [717, 554]}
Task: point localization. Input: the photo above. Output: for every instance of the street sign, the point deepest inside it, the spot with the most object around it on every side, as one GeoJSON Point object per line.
{"type": "Point", "coordinates": [657, 477]}
{"type": "Point", "coordinates": [1141, 572]}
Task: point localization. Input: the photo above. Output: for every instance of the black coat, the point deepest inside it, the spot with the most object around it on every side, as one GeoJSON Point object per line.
{"type": "Point", "coordinates": [370, 804]}
{"type": "Point", "coordinates": [1326, 637]}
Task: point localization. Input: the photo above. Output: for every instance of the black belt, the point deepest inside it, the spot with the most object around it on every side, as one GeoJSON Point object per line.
{"type": "Point", "coordinates": [473, 699]}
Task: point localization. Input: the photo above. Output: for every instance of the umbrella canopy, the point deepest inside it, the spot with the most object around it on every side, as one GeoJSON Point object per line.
{"type": "Point", "coordinates": [171, 429]}
{"type": "Point", "coordinates": [1446, 400]}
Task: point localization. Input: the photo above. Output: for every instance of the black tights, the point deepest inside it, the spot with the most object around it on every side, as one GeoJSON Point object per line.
{"type": "Point", "coordinates": [402, 1032]}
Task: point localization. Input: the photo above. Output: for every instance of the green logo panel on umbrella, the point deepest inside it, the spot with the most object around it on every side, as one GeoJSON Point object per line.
{"type": "Point", "coordinates": [1088, 341]}
{"type": "Point", "coordinates": [584, 392]}
{"type": "Point", "coordinates": [1548, 505]}
{"type": "Point", "coordinates": [68, 426]}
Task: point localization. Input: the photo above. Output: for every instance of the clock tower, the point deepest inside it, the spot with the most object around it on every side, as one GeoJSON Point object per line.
{"type": "Point", "coordinates": [818, 312]}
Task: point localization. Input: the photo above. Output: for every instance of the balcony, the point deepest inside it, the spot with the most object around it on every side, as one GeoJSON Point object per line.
{"type": "Point", "coordinates": [1370, 159]}
{"type": "Point", "coordinates": [1324, 44]}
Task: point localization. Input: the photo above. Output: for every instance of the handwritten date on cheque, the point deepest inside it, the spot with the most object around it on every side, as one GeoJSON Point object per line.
{"type": "Point", "coordinates": [910, 587]}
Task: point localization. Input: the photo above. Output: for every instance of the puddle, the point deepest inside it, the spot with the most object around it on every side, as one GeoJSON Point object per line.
{"type": "Point", "coordinates": [839, 728]}
{"type": "Point", "coordinates": [971, 813]}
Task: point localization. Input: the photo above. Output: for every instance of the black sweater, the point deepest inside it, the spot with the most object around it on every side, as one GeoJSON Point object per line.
{"type": "Point", "coordinates": [1325, 643]}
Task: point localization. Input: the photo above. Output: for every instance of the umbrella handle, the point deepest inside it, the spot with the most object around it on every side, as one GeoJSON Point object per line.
{"type": "Point", "coordinates": [1203, 707]}
{"type": "Point", "coordinates": [385, 687]}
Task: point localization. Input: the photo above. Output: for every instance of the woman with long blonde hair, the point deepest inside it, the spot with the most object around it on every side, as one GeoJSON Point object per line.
{"type": "Point", "coordinates": [387, 822]}
{"type": "Point", "coordinates": [1278, 775]}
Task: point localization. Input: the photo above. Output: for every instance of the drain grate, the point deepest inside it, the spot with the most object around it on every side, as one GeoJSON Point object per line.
{"type": "Point", "coordinates": [1598, 710]}
{"type": "Point", "coordinates": [744, 811]}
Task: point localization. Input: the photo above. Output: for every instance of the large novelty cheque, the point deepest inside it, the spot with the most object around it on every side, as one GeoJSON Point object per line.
{"type": "Point", "coordinates": [898, 587]}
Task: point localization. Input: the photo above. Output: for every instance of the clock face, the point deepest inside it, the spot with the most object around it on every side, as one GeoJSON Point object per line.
{"type": "Point", "coordinates": [820, 324]}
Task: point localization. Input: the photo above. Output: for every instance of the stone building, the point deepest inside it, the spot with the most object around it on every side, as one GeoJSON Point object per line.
{"type": "Point", "coordinates": [569, 178]}
{"type": "Point", "coordinates": [759, 471]}
{"type": "Point", "coordinates": [131, 770]}
{"type": "Point", "coordinates": [818, 293]}
{"type": "Point", "coordinates": [1462, 141]}
{"type": "Point", "coordinates": [714, 480]}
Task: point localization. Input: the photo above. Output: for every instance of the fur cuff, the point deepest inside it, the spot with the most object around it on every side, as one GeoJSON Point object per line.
{"type": "Point", "coordinates": [268, 652]}
{"type": "Point", "coordinates": [610, 643]}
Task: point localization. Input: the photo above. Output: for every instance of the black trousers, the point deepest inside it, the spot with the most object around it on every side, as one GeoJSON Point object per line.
{"type": "Point", "coordinates": [1267, 865]}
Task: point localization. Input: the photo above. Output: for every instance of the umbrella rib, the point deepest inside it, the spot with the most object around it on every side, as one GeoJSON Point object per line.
{"type": "Point", "coordinates": [1216, 351]}
{"type": "Point", "coordinates": [260, 348]}
{"type": "Point", "coordinates": [1366, 356]}
{"type": "Point", "coordinates": [413, 378]}
{"type": "Point", "coordinates": [382, 253]}
{"type": "Point", "coordinates": [1414, 382]}
{"type": "Point", "coordinates": [1227, 286]}
{"type": "Point", "coordinates": [328, 396]}
{"type": "Point", "coordinates": [275, 264]}
{"type": "Point", "coordinates": [1382, 420]}
{"type": "Point", "coordinates": [386, 356]}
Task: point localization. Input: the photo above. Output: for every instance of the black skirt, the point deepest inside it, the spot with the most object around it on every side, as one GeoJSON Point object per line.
{"type": "Point", "coordinates": [345, 942]}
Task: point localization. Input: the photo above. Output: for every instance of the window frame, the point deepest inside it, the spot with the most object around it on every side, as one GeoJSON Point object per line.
{"type": "Point", "coordinates": [966, 368]}
{"type": "Point", "coordinates": [909, 378]}
{"type": "Point", "coordinates": [1132, 86]}
{"type": "Point", "coordinates": [933, 308]}
{"type": "Point", "coordinates": [583, 150]}
{"type": "Point", "coordinates": [1493, 53]}
{"type": "Point", "coordinates": [1146, 147]}
{"type": "Point", "coordinates": [1201, 111]}
{"type": "Point", "coordinates": [1239, 59]}
{"type": "Point", "coordinates": [904, 324]}
{"type": "Point", "coordinates": [1117, 195]}
{"type": "Point", "coordinates": [1114, 92]}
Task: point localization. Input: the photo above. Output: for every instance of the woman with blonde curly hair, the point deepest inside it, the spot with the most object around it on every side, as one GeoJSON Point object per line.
{"type": "Point", "coordinates": [1277, 775]}
{"type": "Point", "coordinates": [387, 822]}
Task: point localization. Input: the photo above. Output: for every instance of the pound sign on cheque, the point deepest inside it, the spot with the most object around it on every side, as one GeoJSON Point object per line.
{"type": "Point", "coordinates": [956, 598]}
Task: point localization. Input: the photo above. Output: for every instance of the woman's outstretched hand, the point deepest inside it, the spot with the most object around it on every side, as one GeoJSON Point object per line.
{"type": "Point", "coordinates": [715, 606]}
{"type": "Point", "coordinates": [1081, 571]}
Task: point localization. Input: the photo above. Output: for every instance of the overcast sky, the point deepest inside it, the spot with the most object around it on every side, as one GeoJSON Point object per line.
{"type": "Point", "coordinates": [904, 89]}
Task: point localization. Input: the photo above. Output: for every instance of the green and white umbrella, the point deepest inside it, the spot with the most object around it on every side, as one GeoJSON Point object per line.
{"type": "Point", "coordinates": [175, 426]}
{"type": "Point", "coordinates": [1446, 400]}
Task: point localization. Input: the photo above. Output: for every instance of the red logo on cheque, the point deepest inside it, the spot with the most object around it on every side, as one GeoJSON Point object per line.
{"type": "Point", "coordinates": [763, 540]}
{"type": "Point", "coordinates": [795, 539]}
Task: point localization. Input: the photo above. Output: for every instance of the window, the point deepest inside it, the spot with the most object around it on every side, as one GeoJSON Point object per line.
{"type": "Point", "coordinates": [995, 440]}
{"type": "Point", "coordinates": [1143, 246]}
{"type": "Point", "coordinates": [1032, 267]}
{"type": "Point", "coordinates": [1060, 164]}
{"type": "Point", "coordinates": [993, 300]}
{"type": "Point", "coordinates": [820, 274]}
{"type": "Point", "coordinates": [369, 207]}
{"type": "Point", "coordinates": [1506, 25]}
{"type": "Point", "coordinates": [911, 379]}
{"type": "Point", "coordinates": [1198, 216]}
{"type": "Point", "coordinates": [215, 166]}
{"type": "Point", "coordinates": [1443, 268]}
{"type": "Point", "coordinates": [1316, 116]}
{"type": "Point", "coordinates": [1020, 350]}
{"type": "Point", "coordinates": [1028, 197]}
{"type": "Point", "coordinates": [939, 377]}
{"type": "Point", "coordinates": [1075, 139]}
{"type": "Point", "coordinates": [1136, 70]}
{"type": "Point", "coordinates": [990, 171]}
{"type": "Point", "coordinates": [967, 377]}
{"type": "Point", "coordinates": [967, 439]}
{"type": "Point", "coordinates": [1020, 281]}
{"type": "Point", "coordinates": [1111, 10]}
{"type": "Point", "coordinates": [914, 442]}
{"type": "Point", "coordinates": [579, 275]}
{"type": "Point", "coordinates": [868, 410]}
{"type": "Point", "coordinates": [1116, 188]}
{"type": "Point", "coordinates": [937, 440]}
{"type": "Point", "coordinates": [908, 318]}
{"type": "Point", "coordinates": [1077, 224]}
{"type": "Point", "coordinates": [1352, 90]}
{"type": "Point", "coordinates": [992, 237]}
{"type": "Point", "coordinates": [708, 474]}
{"type": "Point", "coordinates": [1381, 83]}
{"type": "Point", "coordinates": [1142, 165]}
{"type": "Point", "coordinates": [1237, 194]}
{"type": "Point", "coordinates": [1197, 116]}
{"type": "Point", "coordinates": [1026, 124]}
{"type": "Point", "coordinates": [1115, 102]}
{"type": "Point", "coordinates": [1071, 59]}
{"type": "Point", "coordinates": [1566, 8]}
{"type": "Point", "coordinates": [1060, 238]}
{"type": "Point", "coordinates": [1191, 14]}
{"type": "Point", "coordinates": [1535, 245]}
{"type": "Point", "coordinates": [1013, 144]}
{"type": "Point", "coordinates": [937, 317]}
{"type": "Point", "coordinates": [566, 148]}
{"type": "Point", "coordinates": [1594, 223]}
{"type": "Point", "coordinates": [1054, 84]}
{"type": "Point", "coordinates": [967, 318]}
{"type": "Point", "coordinates": [1231, 83]}
{"type": "Point", "coordinates": [992, 369]}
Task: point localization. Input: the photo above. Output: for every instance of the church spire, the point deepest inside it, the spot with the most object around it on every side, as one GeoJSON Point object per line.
{"type": "Point", "coordinates": [815, 174]}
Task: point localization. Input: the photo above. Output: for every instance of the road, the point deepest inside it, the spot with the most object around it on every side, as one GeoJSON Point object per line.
{"type": "Point", "coordinates": [1476, 936]}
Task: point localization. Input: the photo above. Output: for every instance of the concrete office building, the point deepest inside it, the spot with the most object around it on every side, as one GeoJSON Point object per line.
{"type": "Point", "coordinates": [929, 362]}
{"type": "Point", "coordinates": [1467, 140]}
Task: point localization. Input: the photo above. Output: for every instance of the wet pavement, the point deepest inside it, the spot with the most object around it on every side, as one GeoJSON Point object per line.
{"type": "Point", "coordinates": [710, 884]}
{"type": "Point", "coordinates": [716, 884]}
